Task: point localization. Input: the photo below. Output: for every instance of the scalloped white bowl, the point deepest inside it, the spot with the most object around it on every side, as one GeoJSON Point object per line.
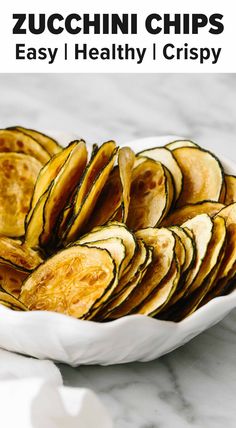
{"type": "Point", "coordinates": [133, 338]}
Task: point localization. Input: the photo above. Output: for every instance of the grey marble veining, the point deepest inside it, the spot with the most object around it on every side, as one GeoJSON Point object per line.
{"type": "Point", "coordinates": [194, 386]}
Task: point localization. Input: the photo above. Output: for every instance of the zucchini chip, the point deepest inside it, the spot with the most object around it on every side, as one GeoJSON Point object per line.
{"type": "Point", "coordinates": [70, 282]}
{"type": "Point", "coordinates": [51, 170]}
{"type": "Point", "coordinates": [111, 230]}
{"type": "Point", "coordinates": [18, 255]}
{"type": "Point", "coordinates": [139, 260]}
{"type": "Point", "coordinates": [39, 229]}
{"type": "Point", "coordinates": [203, 177]}
{"type": "Point", "coordinates": [160, 297]}
{"type": "Point", "coordinates": [122, 294]}
{"type": "Point", "coordinates": [180, 143]}
{"type": "Point", "coordinates": [229, 260]}
{"type": "Point", "coordinates": [206, 274]}
{"type": "Point", "coordinates": [11, 302]}
{"type": "Point", "coordinates": [34, 227]}
{"type": "Point", "coordinates": [163, 243]}
{"type": "Point", "coordinates": [18, 174]}
{"type": "Point", "coordinates": [188, 243]}
{"type": "Point", "coordinates": [62, 188]}
{"type": "Point", "coordinates": [212, 257]}
{"type": "Point", "coordinates": [89, 189]}
{"type": "Point", "coordinates": [230, 196]}
{"type": "Point", "coordinates": [182, 214]}
{"type": "Point", "coordinates": [12, 140]}
{"type": "Point", "coordinates": [113, 202]}
{"type": "Point", "coordinates": [202, 228]}
{"type": "Point", "coordinates": [114, 246]}
{"type": "Point", "coordinates": [164, 156]}
{"type": "Point", "coordinates": [48, 143]}
{"type": "Point", "coordinates": [151, 194]}
{"type": "Point", "coordinates": [11, 279]}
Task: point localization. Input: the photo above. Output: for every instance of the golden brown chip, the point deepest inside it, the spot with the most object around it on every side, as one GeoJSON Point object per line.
{"type": "Point", "coordinates": [121, 294]}
{"type": "Point", "coordinates": [51, 170]}
{"type": "Point", "coordinates": [11, 279]}
{"type": "Point", "coordinates": [163, 155]}
{"type": "Point", "coordinates": [230, 196]}
{"type": "Point", "coordinates": [162, 294]}
{"type": "Point", "coordinates": [163, 242]}
{"type": "Point", "coordinates": [113, 202]}
{"type": "Point", "coordinates": [202, 228]}
{"type": "Point", "coordinates": [212, 256]}
{"type": "Point", "coordinates": [182, 214]}
{"type": "Point", "coordinates": [188, 243]}
{"type": "Point", "coordinates": [114, 246]}
{"type": "Point", "coordinates": [61, 189]}
{"type": "Point", "coordinates": [89, 189]}
{"type": "Point", "coordinates": [40, 229]}
{"type": "Point", "coordinates": [13, 140]}
{"type": "Point", "coordinates": [70, 282]}
{"type": "Point", "coordinates": [113, 229]}
{"type": "Point", "coordinates": [151, 194]}
{"type": "Point", "coordinates": [229, 214]}
{"type": "Point", "coordinates": [202, 175]}
{"type": "Point", "coordinates": [18, 174]}
{"type": "Point", "coordinates": [48, 143]}
{"type": "Point", "coordinates": [18, 255]}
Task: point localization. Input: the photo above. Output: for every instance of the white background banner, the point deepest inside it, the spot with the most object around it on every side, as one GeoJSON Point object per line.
{"type": "Point", "coordinates": [202, 38]}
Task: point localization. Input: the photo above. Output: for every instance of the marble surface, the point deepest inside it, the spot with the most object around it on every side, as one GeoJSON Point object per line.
{"type": "Point", "coordinates": [194, 386]}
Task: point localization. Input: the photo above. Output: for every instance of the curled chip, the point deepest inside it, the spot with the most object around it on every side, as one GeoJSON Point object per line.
{"type": "Point", "coordinates": [185, 213]}
{"type": "Point", "coordinates": [70, 282]}
{"type": "Point", "coordinates": [89, 189]}
{"type": "Point", "coordinates": [163, 155]}
{"type": "Point", "coordinates": [151, 194]}
{"type": "Point", "coordinates": [11, 279]}
{"type": "Point", "coordinates": [13, 140]}
{"type": "Point", "coordinates": [48, 143]}
{"type": "Point", "coordinates": [47, 211]}
{"type": "Point", "coordinates": [202, 175]}
{"type": "Point", "coordinates": [18, 255]}
{"type": "Point", "coordinates": [48, 173]}
{"type": "Point", "coordinates": [18, 174]}
{"type": "Point", "coordinates": [113, 202]}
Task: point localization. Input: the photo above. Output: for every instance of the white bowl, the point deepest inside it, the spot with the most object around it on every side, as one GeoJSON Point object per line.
{"type": "Point", "coordinates": [132, 338]}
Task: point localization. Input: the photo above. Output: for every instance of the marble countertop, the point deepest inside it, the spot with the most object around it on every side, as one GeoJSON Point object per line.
{"type": "Point", "coordinates": [194, 386]}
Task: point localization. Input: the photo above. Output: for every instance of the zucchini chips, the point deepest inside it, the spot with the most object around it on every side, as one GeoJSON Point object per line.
{"type": "Point", "coordinates": [103, 235]}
